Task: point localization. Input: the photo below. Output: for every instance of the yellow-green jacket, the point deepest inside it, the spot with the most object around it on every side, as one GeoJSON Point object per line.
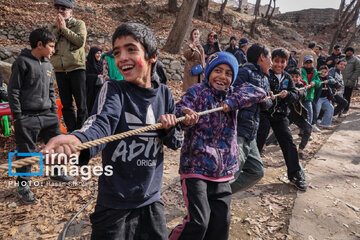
{"type": "Point", "coordinates": [70, 46]}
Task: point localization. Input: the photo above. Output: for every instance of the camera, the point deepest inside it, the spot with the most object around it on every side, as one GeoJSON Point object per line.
{"type": "Point", "coordinates": [215, 36]}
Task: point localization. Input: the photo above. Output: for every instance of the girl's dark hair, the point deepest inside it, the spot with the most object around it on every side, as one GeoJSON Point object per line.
{"type": "Point", "coordinates": [281, 53]}
{"type": "Point", "coordinates": [140, 33]}
{"type": "Point", "coordinates": [41, 35]}
{"type": "Point", "coordinates": [294, 71]}
{"type": "Point", "coordinates": [254, 51]}
{"type": "Point", "coordinates": [191, 33]}
{"type": "Point", "coordinates": [323, 67]}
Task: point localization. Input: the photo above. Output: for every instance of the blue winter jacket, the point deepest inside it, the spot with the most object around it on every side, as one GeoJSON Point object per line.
{"type": "Point", "coordinates": [248, 118]}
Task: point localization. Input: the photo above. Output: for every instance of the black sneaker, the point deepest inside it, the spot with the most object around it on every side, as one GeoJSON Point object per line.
{"type": "Point", "coordinates": [62, 178]}
{"type": "Point", "coordinates": [298, 183]}
{"type": "Point", "coordinates": [301, 155]}
{"type": "Point", "coordinates": [25, 194]}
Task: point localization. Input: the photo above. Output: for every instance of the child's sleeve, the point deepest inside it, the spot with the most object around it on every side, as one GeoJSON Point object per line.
{"type": "Point", "coordinates": [15, 84]}
{"type": "Point", "coordinates": [175, 137]}
{"type": "Point", "coordinates": [331, 80]}
{"type": "Point", "coordinates": [292, 93]}
{"type": "Point", "coordinates": [103, 123]}
{"type": "Point", "coordinates": [317, 80]}
{"type": "Point", "coordinates": [52, 93]}
{"type": "Point", "coordinates": [245, 95]}
{"type": "Point", "coordinates": [187, 101]}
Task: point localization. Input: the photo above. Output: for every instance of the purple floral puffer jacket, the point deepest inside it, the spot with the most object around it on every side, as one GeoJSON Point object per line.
{"type": "Point", "coordinates": [210, 146]}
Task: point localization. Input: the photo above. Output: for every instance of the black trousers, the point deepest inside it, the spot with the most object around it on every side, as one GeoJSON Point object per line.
{"type": "Point", "coordinates": [91, 92]}
{"type": "Point", "coordinates": [28, 130]}
{"type": "Point", "coordinates": [280, 125]}
{"type": "Point", "coordinates": [347, 95]}
{"type": "Point", "coordinates": [143, 223]}
{"type": "Point", "coordinates": [208, 205]}
{"type": "Point", "coordinates": [305, 126]}
{"type": "Point", "coordinates": [73, 84]}
{"type": "Point", "coordinates": [341, 104]}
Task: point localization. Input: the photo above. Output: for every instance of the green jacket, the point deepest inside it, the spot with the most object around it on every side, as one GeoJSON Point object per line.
{"type": "Point", "coordinates": [315, 78]}
{"type": "Point", "coordinates": [111, 67]}
{"type": "Point", "coordinates": [351, 71]}
{"type": "Point", "coordinates": [70, 46]}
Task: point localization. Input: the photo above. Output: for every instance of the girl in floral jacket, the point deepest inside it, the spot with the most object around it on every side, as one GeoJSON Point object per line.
{"type": "Point", "coordinates": [209, 155]}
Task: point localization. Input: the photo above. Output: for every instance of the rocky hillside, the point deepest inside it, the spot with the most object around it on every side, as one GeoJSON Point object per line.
{"type": "Point", "coordinates": [103, 16]}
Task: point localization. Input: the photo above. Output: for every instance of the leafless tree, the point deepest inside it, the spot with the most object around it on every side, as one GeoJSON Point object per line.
{"type": "Point", "coordinates": [256, 13]}
{"type": "Point", "coordinates": [271, 14]}
{"type": "Point", "coordinates": [240, 6]}
{"type": "Point", "coordinates": [268, 9]}
{"type": "Point", "coordinates": [222, 10]}
{"type": "Point", "coordinates": [348, 18]}
{"type": "Point", "coordinates": [180, 27]}
{"type": "Point", "coordinates": [202, 10]}
{"type": "Point", "coordinates": [172, 4]}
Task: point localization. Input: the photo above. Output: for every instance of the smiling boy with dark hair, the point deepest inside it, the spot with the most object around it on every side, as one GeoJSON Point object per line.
{"type": "Point", "coordinates": [129, 203]}
{"type": "Point", "coordinates": [282, 84]}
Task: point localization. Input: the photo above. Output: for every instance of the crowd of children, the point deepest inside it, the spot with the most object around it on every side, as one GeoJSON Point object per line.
{"type": "Point", "coordinates": [258, 89]}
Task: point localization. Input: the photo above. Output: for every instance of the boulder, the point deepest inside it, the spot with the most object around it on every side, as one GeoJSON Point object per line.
{"type": "Point", "coordinates": [5, 69]}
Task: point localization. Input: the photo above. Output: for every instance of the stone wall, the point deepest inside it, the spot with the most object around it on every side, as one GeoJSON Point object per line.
{"type": "Point", "coordinates": [309, 16]}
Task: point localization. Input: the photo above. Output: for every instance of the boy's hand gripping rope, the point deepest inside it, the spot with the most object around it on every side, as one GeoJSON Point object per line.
{"type": "Point", "coordinates": [31, 160]}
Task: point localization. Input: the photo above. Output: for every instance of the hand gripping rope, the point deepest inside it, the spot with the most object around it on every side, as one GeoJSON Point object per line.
{"type": "Point", "coordinates": [32, 160]}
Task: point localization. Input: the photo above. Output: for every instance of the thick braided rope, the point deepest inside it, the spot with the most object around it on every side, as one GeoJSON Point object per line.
{"type": "Point", "coordinates": [32, 160]}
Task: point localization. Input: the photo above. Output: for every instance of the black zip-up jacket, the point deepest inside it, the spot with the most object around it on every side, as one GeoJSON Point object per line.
{"type": "Point", "coordinates": [248, 118]}
{"type": "Point", "coordinates": [31, 87]}
{"type": "Point", "coordinates": [280, 105]}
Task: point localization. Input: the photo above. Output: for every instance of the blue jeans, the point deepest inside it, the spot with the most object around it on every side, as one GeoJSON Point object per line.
{"type": "Point", "coordinates": [324, 104]}
{"type": "Point", "coordinates": [308, 106]}
{"type": "Point", "coordinates": [251, 169]}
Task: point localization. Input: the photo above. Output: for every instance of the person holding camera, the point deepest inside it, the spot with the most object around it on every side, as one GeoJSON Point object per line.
{"type": "Point", "coordinates": [212, 45]}
{"type": "Point", "coordinates": [195, 60]}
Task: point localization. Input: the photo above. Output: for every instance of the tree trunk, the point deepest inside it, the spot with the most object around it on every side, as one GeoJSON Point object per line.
{"type": "Point", "coordinates": [202, 10]}
{"type": "Point", "coordinates": [253, 24]}
{"type": "Point", "coordinates": [271, 14]}
{"type": "Point", "coordinates": [348, 17]}
{"type": "Point", "coordinates": [268, 9]}
{"type": "Point", "coordinates": [222, 10]}
{"type": "Point", "coordinates": [239, 7]}
{"type": "Point", "coordinates": [341, 8]}
{"type": "Point", "coordinates": [257, 7]}
{"type": "Point", "coordinates": [172, 4]}
{"type": "Point", "coordinates": [180, 27]}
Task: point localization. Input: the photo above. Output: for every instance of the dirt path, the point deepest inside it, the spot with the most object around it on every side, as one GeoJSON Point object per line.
{"type": "Point", "coordinates": [330, 209]}
{"type": "Point", "coordinates": [263, 212]}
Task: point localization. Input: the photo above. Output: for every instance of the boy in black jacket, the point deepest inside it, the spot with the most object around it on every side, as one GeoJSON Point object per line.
{"type": "Point", "coordinates": [281, 84]}
{"type": "Point", "coordinates": [129, 203]}
{"type": "Point", "coordinates": [298, 113]}
{"type": "Point", "coordinates": [33, 103]}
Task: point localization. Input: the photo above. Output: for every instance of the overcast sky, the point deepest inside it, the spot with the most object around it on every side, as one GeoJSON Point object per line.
{"type": "Point", "coordinates": [295, 5]}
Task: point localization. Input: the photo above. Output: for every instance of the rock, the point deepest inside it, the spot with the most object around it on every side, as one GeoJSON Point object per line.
{"type": "Point", "coordinates": [12, 205]}
{"type": "Point", "coordinates": [176, 77]}
{"type": "Point", "coordinates": [101, 40]}
{"type": "Point", "coordinates": [175, 65]}
{"type": "Point", "coordinates": [5, 69]}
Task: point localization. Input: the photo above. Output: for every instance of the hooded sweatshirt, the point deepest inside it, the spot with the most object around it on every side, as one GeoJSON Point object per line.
{"type": "Point", "coordinates": [31, 86]}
